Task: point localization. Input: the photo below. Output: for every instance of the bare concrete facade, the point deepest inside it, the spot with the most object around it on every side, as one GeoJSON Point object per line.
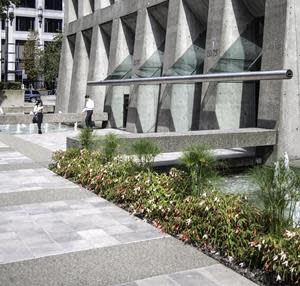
{"type": "Point", "coordinates": [147, 38]}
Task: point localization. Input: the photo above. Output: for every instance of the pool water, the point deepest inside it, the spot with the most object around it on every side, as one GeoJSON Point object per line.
{"type": "Point", "coordinates": [32, 128]}
{"type": "Point", "coordinates": [242, 184]}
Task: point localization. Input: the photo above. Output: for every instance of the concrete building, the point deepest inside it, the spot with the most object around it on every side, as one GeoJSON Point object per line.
{"type": "Point", "coordinates": [146, 38]}
{"type": "Point", "coordinates": [44, 16]}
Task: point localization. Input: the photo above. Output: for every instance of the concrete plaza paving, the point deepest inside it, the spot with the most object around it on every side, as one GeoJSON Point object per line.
{"type": "Point", "coordinates": [54, 232]}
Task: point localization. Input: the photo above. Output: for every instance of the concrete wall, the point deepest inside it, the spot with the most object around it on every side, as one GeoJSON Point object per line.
{"type": "Point", "coordinates": [191, 37]}
{"type": "Point", "coordinates": [11, 98]}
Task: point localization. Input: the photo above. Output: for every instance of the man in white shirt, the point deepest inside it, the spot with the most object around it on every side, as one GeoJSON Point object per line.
{"type": "Point", "coordinates": [89, 108]}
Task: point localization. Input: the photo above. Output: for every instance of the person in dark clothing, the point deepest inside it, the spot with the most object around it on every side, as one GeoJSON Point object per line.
{"type": "Point", "coordinates": [89, 109]}
{"type": "Point", "coordinates": [38, 112]}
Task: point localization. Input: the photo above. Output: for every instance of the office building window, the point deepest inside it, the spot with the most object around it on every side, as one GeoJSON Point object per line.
{"type": "Point", "coordinates": [53, 4]}
{"type": "Point", "coordinates": [27, 3]}
{"type": "Point", "coordinates": [19, 55]}
{"type": "Point", "coordinates": [53, 25]}
{"type": "Point", "coordinates": [24, 24]}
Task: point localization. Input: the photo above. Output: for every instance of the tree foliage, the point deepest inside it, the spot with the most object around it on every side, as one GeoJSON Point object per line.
{"type": "Point", "coordinates": [32, 56]}
{"type": "Point", "coordinates": [50, 60]}
{"type": "Point", "coordinates": [5, 3]}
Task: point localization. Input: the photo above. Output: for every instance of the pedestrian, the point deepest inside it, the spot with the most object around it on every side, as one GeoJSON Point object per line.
{"type": "Point", "coordinates": [38, 113]}
{"type": "Point", "coordinates": [89, 109]}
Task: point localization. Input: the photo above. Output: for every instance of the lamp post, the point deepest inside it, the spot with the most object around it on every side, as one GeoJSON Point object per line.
{"type": "Point", "coordinates": [40, 16]}
{"type": "Point", "coordinates": [9, 17]}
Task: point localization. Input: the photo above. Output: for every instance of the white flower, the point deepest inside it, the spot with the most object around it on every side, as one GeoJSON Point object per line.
{"type": "Point", "coordinates": [259, 247]}
{"type": "Point", "coordinates": [201, 203]}
{"type": "Point", "coordinates": [207, 209]}
{"type": "Point", "coordinates": [242, 265]}
{"type": "Point", "coordinates": [290, 234]}
{"type": "Point", "coordinates": [204, 195]}
{"type": "Point", "coordinates": [278, 278]}
{"type": "Point", "coordinates": [285, 263]}
{"type": "Point", "coordinates": [205, 236]}
{"type": "Point", "coordinates": [275, 257]}
{"type": "Point", "coordinates": [188, 221]}
{"type": "Point", "coordinates": [286, 161]}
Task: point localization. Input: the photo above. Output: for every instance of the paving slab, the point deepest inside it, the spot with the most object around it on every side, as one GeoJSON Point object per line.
{"type": "Point", "coordinates": [45, 195]}
{"type": "Point", "coordinates": [105, 266]}
{"type": "Point", "coordinates": [59, 227]}
{"type": "Point", "coordinates": [13, 158]}
{"type": "Point", "coordinates": [213, 275]}
{"type": "Point", "coordinates": [33, 151]}
{"type": "Point", "coordinates": [30, 180]}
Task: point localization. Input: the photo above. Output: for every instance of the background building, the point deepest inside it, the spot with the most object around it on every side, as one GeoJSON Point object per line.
{"type": "Point", "coordinates": [146, 38]}
{"type": "Point", "coordinates": [44, 16]}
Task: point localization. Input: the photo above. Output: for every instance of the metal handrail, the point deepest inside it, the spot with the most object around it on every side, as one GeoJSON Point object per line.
{"type": "Point", "coordinates": [190, 79]}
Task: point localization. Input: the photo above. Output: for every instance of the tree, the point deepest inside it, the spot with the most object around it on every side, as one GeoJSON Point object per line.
{"type": "Point", "coordinates": [5, 3]}
{"type": "Point", "coordinates": [50, 61]}
{"type": "Point", "coordinates": [32, 57]}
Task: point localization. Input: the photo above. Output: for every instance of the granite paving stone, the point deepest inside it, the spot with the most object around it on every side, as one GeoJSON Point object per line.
{"type": "Point", "coordinates": [31, 179]}
{"type": "Point", "coordinates": [12, 157]}
{"type": "Point", "coordinates": [59, 227]}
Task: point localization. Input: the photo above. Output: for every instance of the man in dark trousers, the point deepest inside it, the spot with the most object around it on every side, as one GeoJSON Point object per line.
{"type": "Point", "coordinates": [89, 109]}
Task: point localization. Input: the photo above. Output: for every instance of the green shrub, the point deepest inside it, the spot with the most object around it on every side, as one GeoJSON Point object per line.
{"type": "Point", "coordinates": [87, 138]}
{"type": "Point", "coordinates": [279, 193]}
{"type": "Point", "coordinates": [109, 147]}
{"type": "Point", "coordinates": [214, 221]}
{"type": "Point", "coordinates": [201, 166]}
{"type": "Point", "coordinates": [146, 151]}
{"type": "Point", "coordinates": [10, 85]}
{"type": "Point", "coordinates": [279, 257]}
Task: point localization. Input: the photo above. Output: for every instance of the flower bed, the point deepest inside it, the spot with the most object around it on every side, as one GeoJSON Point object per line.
{"type": "Point", "coordinates": [216, 222]}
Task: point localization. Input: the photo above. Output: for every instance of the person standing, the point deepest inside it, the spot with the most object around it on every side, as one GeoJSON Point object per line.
{"type": "Point", "coordinates": [38, 112]}
{"type": "Point", "coordinates": [89, 109]}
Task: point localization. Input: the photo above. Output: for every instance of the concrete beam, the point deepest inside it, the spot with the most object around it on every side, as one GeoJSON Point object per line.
{"type": "Point", "coordinates": [51, 118]}
{"type": "Point", "coordinates": [215, 139]}
{"type": "Point", "coordinates": [28, 109]}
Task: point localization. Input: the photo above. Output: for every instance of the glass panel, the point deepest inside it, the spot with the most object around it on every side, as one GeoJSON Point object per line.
{"type": "Point", "coordinates": [123, 71]}
{"type": "Point", "coordinates": [53, 25]}
{"type": "Point", "coordinates": [192, 61]}
{"type": "Point", "coordinates": [24, 23]}
{"type": "Point", "coordinates": [53, 4]}
{"type": "Point", "coordinates": [152, 67]}
{"type": "Point", "coordinates": [27, 3]}
{"type": "Point", "coordinates": [245, 53]}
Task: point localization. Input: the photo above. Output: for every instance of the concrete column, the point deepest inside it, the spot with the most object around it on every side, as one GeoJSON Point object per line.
{"type": "Point", "coordinates": [119, 51]}
{"type": "Point", "coordinates": [79, 75]}
{"type": "Point", "coordinates": [65, 76]}
{"type": "Point", "coordinates": [226, 105]}
{"type": "Point", "coordinates": [144, 99]}
{"type": "Point", "coordinates": [100, 4]}
{"type": "Point", "coordinates": [84, 8]}
{"type": "Point", "coordinates": [98, 68]}
{"type": "Point", "coordinates": [71, 10]}
{"type": "Point", "coordinates": [11, 53]}
{"type": "Point", "coordinates": [176, 113]}
{"type": "Point", "coordinates": [1, 52]}
{"type": "Point", "coordinates": [279, 102]}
